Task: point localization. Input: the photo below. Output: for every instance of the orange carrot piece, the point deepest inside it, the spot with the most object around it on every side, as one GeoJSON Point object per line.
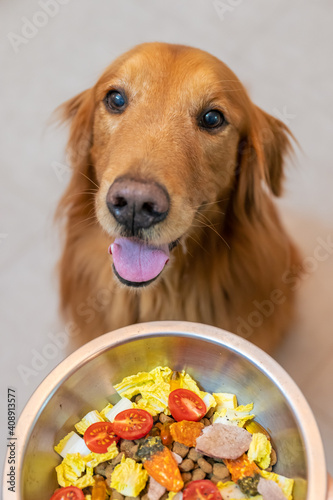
{"type": "Point", "coordinates": [241, 467]}
{"type": "Point", "coordinates": [164, 469]}
{"type": "Point", "coordinates": [186, 432]}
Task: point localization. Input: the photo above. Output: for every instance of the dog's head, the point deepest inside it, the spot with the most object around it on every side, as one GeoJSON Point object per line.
{"type": "Point", "coordinates": [168, 134]}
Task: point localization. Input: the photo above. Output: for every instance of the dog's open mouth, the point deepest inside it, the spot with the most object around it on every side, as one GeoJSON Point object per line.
{"type": "Point", "coordinates": [136, 263]}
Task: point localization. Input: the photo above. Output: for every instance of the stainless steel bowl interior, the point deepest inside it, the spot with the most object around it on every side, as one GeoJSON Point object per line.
{"type": "Point", "coordinates": [218, 360]}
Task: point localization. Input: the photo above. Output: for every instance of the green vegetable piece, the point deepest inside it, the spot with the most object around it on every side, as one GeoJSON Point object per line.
{"type": "Point", "coordinates": [249, 485]}
{"type": "Point", "coordinates": [149, 446]}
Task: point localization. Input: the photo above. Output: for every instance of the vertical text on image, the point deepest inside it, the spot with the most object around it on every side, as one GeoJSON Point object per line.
{"type": "Point", "coordinates": [11, 440]}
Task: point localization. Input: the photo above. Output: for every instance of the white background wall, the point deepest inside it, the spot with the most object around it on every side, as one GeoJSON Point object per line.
{"type": "Point", "coordinates": [280, 49]}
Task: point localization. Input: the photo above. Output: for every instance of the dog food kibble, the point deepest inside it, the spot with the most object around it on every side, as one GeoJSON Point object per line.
{"type": "Point", "coordinates": [165, 419]}
{"type": "Point", "coordinates": [220, 471]}
{"type": "Point", "coordinates": [180, 449]}
{"type": "Point", "coordinates": [210, 413]}
{"type": "Point", "coordinates": [126, 446]}
{"type": "Point", "coordinates": [205, 466]}
{"type": "Point", "coordinates": [108, 473]}
{"type": "Point", "coordinates": [186, 477]}
{"type": "Point", "coordinates": [100, 468]}
{"type": "Point", "coordinates": [186, 465]}
{"type": "Point", "coordinates": [132, 451]}
{"type": "Point", "coordinates": [194, 455]}
{"type": "Point", "coordinates": [212, 442]}
{"type": "Point", "coordinates": [273, 457]}
{"type": "Point", "coordinates": [214, 479]}
{"type": "Point", "coordinates": [116, 496]}
{"type": "Point", "coordinates": [115, 461]}
{"type": "Point", "coordinates": [198, 474]}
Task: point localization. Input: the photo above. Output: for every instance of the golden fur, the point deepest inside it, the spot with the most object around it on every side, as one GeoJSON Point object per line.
{"type": "Point", "coordinates": [233, 250]}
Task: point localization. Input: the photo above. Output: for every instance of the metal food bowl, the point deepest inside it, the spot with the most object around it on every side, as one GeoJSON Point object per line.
{"type": "Point", "coordinates": [218, 360]}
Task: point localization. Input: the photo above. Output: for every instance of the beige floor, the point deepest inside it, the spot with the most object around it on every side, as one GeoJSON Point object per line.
{"type": "Point", "coordinates": [307, 354]}
{"type": "Point", "coordinates": [281, 50]}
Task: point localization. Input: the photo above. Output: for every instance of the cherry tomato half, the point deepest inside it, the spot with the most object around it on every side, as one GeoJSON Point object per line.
{"type": "Point", "coordinates": [68, 493]}
{"type": "Point", "coordinates": [186, 405]}
{"type": "Point", "coordinates": [99, 436]}
{"type": "Point", "coordinates": [201, 490]}
{"type": "Point", "coordinates": [132, 424]}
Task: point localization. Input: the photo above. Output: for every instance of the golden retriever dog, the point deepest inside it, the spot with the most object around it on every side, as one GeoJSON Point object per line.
{"type": "Point", "coordinates": [169, 212]}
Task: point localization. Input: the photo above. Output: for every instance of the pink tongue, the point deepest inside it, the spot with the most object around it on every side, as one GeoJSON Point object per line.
{"type": "Point", "coordinates": [134, 261]}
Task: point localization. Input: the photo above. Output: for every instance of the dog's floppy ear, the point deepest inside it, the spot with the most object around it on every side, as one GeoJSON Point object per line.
{"type": "Point", "coordinates": [80, 111]}
{"type": "Point", "coordinates": [265, 142]}
{"type": "Point", "coordinates": [274, 136]}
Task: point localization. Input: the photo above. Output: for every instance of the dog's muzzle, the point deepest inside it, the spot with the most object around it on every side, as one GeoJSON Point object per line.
{"type": "Point", "coordinates": [137, 204]}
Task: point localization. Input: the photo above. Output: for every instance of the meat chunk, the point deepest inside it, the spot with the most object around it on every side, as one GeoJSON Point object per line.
{"type": "Point", "coordinates": [155, 489]}
{"type": "Point", "coordinates": [223, 441]}
{"type": "Point", "coordinates": [270, 490]}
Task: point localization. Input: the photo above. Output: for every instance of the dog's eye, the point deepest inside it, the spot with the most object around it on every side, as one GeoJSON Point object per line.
{"type": "Point", "coordinates": [115, 101]}
{"type": "Point", "coordinates": [212, 119]}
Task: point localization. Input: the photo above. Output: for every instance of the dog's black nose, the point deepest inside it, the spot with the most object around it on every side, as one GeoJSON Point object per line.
{"type": "Point", "coordinates": [137, 204]}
